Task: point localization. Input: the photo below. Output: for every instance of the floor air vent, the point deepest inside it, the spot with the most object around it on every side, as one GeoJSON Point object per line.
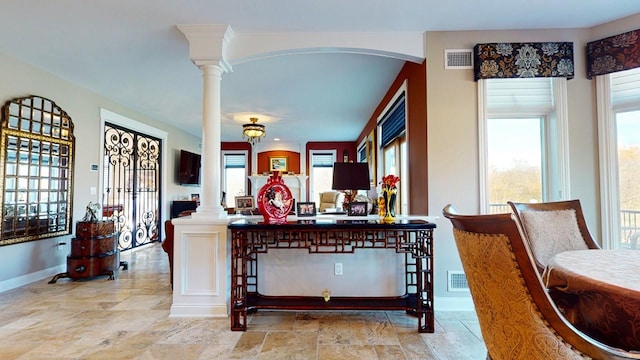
{"type": "Point", "coordinates": [457, 281]}
{"type": "Point", "coordinates": [458, 59]}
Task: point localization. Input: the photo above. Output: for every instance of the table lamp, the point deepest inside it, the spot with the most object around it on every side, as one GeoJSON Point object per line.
{"type": "Point", "coordinates": [350, 177]}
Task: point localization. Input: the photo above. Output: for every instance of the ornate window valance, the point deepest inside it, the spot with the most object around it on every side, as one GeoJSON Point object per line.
{"type": "Point", "coordinates": [523, 60]}
{"type": "Point", "coordinates": [615, 53]}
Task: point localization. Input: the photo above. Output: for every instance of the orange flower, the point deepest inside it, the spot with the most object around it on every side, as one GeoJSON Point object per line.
{"type": "Point", "coordinates": [390, 181]}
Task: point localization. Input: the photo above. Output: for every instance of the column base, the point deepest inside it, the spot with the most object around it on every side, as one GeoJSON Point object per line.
{"type": "Point", "coordinates": [200, 269]}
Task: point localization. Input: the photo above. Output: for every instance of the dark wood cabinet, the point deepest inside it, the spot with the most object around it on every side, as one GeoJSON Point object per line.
{"type": "Point", "coordinates": [178, 206]}
{"type": "Point", "coordinates": [94, 252]}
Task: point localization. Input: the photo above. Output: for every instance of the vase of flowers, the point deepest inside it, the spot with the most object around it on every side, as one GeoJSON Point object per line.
{"type": "Point", "coordinates": [389, 193]}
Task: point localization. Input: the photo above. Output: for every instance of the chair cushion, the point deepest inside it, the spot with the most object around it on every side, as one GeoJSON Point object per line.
{"type": "Point", "coordinates": [552, 232]}
{"type": "Point", "coordinates": [329, 197]}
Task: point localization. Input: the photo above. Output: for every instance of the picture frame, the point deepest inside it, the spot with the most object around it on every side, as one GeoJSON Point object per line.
{"type": "Point", "coordinates": [245, 203]}
{"type": "Point", "coordinates": [306, 209]}
{"type": "Point", "coordinates": [357, 208]}
{"type": "Point", "coordinates": [371, 155]}
{"type": "Point", "coordinates": [279, 163]}
{"type": "Point", "coordinates": [196, 198]}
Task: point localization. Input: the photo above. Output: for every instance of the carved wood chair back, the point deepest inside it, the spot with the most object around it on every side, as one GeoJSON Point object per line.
{"type": "Point", "coordinates": [553, 227]}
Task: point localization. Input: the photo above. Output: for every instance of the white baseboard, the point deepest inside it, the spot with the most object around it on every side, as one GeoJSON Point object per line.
{"type": "Point", "coordinates": [16, 282]}
{"type": "Point", "coordinates": [453, 303]}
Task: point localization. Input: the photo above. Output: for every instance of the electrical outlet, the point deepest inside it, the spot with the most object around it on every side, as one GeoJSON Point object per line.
{"type": "Point", "coordinates": [337, 268]}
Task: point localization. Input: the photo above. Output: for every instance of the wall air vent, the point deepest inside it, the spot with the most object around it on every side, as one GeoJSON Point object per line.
{"type": "Point", "coordinates": [458, 59]}
{"type": "Point", "coordinates": [456, 281]}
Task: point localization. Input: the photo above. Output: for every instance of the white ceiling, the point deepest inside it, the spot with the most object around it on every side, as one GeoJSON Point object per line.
{"type": "Point", "coordinates": [131, 52]}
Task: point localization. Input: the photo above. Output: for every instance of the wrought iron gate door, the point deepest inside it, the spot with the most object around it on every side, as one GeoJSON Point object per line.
{"type": "Point", "coordinates": [131, 185]}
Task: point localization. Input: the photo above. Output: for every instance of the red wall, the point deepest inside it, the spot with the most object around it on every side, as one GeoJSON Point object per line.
{"type": "Point", "coordinates": [341, 148]}
{"type": "Point", "coordinates": [293, 163]}
{"type": "Point", "coordinates": [416, 77]}
{"type": "Point", "coordinates": [240, 145]}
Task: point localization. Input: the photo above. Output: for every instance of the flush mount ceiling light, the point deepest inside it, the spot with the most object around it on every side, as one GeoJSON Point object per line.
{"type": "Point", "coordinates": [253, 132]}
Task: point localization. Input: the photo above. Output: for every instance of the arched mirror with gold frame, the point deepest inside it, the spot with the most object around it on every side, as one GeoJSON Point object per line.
{"type": "Point", "coordinates": [37, 147]}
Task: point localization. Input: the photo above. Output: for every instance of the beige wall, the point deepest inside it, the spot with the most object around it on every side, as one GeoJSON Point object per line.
{"type": "Point", "coordinates": [33, 260]}
{"type": "Point", "coordinates": [452, 111]}
{"type": "Point", "coordinates": [615, 27]}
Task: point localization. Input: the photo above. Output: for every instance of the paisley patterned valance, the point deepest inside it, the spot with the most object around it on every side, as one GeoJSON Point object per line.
{"type": "Point", "coordinates": [523, 60]}
{"type": "Point", "coordinates": [615, 53]}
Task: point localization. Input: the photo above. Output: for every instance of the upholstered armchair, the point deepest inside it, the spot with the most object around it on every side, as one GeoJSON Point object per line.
{"type": "Point", "coordinates": [167, 246]}
{"type": "Point", "coordinates": [518, 319]}
{"type": "Point", "coordinates": [331, 200]}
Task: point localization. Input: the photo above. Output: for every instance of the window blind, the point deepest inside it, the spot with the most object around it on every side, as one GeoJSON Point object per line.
{"type": "Point", "coordinates": [508, 96]}
{"type": "Point", "coordinates": [362, 154]}
{"type": "Point", "coordinates": [322, 160]}
{"type": "Point", "coordinates": [393, 123]}
{"type": "Point", "coordinates": [234, 161]}
{"type": "Point", "coordinates": [625, 89]}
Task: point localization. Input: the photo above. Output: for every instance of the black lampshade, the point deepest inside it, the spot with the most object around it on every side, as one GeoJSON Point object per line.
{"type": "Point", "coordinates": [350, 176]}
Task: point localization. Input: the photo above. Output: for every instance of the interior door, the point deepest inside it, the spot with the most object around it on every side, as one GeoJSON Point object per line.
{"type": "Point", "coordinates": [132, 176]}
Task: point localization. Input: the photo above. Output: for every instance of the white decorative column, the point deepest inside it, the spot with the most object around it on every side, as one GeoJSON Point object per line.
{"type": "Point", "coordinates": [211, 148]}
{"type": "Point", "coordinates": [200, 285]}
{"type": "Point", "coordinates": [207, 49]}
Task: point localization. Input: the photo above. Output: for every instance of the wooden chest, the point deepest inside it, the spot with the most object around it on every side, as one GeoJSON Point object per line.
{"type": "Point", "coordinates": [90, 266]}
{"type": "Point", "coordinates": [94, 247]}
{"type": "Point", "coordinates": [94, 250]}
{"type": "Point", "coordinates": [90, 230]}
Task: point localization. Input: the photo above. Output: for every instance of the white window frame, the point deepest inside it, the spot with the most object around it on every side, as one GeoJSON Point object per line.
{"type": "Point", "coordinates": [361, 146]}
{"type": "Point", "coordinates": [223, 174]}
{"type": "Point", "coordinates": [608, 161]}
{"type": "Point", "coordinates": [333, 153]}
{"type": "Point", "coordinates": [555, 170]}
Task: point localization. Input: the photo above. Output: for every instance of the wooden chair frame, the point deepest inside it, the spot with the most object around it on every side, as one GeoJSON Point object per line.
{"type": "Point", "coordinates": [518, 208]}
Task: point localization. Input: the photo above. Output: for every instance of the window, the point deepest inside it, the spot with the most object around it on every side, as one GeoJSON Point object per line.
{"type": "Point", "coordinates": [393, 142]}
{"type": "Point", "coordinates": [234, 174]}
{"type": "Point", "coordinates": [522, 138]}
{"type": "Point", "coordinates": [362, 151]}
{"type": "Point", "coordinates": [321, 175]}
{"type": "Point", "coordinates": [619, 126]}
{"type": "Point", "coordinates": [37, 170]}
{"type": "Point", "coordinates": [514, 156]}
{"type": "Point", "coordinates": [394, 155]}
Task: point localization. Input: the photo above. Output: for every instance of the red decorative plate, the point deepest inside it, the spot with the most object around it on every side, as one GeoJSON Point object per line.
{"type": "Point", "coordinates": [275, 200]}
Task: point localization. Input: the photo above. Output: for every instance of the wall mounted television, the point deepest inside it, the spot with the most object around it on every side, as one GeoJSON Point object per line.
{"type": "Point", "coordinates": [189, 171]}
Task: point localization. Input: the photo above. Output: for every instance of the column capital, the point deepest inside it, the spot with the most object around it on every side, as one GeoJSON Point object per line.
{"type": "Point", "coordinates": [208, 44]}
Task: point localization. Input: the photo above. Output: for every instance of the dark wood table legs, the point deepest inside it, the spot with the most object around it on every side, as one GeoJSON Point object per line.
{"type": "Point", "coordinates": [414, 242]}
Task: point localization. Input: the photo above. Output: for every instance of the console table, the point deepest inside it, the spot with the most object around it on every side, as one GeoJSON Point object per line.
{"type": "Point", "coordinates": [412, 238]}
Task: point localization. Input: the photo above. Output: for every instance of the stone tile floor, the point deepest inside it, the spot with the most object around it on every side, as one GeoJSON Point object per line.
{"type": "Point", "coordinates": [128, 319]}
